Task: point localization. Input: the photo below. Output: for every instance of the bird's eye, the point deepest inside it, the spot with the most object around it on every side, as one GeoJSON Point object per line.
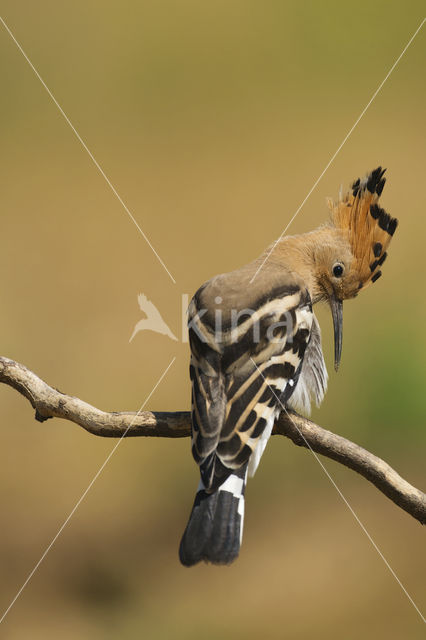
{"type": "Point", "coordinates": [338, 270]}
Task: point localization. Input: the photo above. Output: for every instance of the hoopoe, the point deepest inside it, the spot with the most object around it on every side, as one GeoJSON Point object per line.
{"type": "Point", "coordinates": [256, 349]}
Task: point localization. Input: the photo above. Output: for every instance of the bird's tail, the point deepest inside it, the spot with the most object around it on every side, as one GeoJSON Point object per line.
{"type": "Point", "coordinates": [215, 528]}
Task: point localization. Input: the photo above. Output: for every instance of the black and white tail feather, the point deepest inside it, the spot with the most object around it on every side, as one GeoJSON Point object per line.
{"type": "Point", "coordinates": [215, 528]}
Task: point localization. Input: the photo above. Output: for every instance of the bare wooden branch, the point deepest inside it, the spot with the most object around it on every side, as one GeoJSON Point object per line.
{"type": "Point", "coordinates": [51, 403]}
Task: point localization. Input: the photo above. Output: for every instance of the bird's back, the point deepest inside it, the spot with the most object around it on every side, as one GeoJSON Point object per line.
{"type": "Point", "coordinates": [246, 348]}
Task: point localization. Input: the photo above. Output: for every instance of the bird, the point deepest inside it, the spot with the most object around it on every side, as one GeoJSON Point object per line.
{"type": "Point", "coordinates": [256, 350]}
{"type": "Point", "coordinates": [153, 321]}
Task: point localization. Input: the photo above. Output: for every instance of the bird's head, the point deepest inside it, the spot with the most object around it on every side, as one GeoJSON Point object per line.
{"type": "Point", "coordinates": [350, 250]}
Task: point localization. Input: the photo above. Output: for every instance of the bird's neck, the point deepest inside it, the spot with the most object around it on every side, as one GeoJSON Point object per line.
{"type": "Point", "coordinates": [299, 255]}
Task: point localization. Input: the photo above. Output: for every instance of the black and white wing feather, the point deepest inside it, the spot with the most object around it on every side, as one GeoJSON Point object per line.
{"type": "Point", "coordinates": [241, 375]}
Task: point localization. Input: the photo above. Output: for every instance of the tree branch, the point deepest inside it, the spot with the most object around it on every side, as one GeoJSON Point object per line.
{"type": "Point", "coordinates": [51, 403]}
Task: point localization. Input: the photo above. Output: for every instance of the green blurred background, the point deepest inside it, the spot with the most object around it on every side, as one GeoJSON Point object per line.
{"type": "Point", "coordinates": [212, 120]}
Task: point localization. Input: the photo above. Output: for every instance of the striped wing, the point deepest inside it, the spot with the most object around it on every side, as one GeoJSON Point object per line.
{"type": "Point", "coordinates": [240, 376]}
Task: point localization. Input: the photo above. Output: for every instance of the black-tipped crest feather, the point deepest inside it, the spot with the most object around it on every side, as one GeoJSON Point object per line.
{"type": "Point", "coordinates": [369, 228]}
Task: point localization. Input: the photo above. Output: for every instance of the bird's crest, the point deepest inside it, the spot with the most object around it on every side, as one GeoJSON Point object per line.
{"type": "Point", "coordinates": [368, 227]}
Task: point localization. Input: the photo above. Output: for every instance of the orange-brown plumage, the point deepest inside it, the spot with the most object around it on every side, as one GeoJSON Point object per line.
{"type": "Point", "coordinates": [342, 257]}
{"type": "Point", "coordinates": [366, 226]}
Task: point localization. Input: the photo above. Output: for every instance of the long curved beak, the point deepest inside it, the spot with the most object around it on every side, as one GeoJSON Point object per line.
{"type": "Point", "coordinates": [336, 307]}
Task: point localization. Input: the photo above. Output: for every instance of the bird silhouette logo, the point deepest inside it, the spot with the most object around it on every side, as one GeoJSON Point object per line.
{"type": "Point", "coordinates": [153, 320]}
